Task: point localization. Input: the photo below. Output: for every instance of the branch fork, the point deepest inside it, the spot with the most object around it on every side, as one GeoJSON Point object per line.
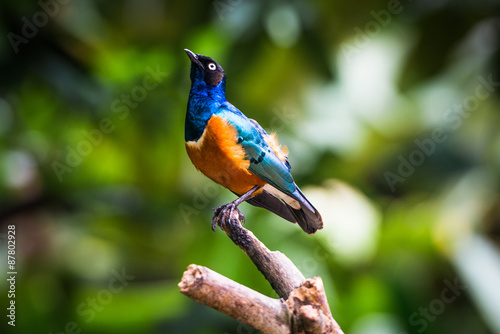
{"type": "Point", "coordinates": [302, 308]}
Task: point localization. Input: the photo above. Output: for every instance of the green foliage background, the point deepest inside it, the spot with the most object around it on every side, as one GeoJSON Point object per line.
{"type": "Point", "coordinates": [392, 131]}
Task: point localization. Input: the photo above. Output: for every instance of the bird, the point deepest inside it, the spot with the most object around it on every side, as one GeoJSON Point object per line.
{"type": "Point", "coordinates": [238, 154]}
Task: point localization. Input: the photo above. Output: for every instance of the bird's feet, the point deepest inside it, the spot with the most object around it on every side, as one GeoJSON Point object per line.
{"type": "Point", "coordinates": [224, 213]}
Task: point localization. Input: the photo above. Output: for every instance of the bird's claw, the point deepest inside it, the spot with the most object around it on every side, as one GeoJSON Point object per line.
{"type": "Point", "coordinates": [216, 217]}
{"type": "Point", "coordinates": [225, 213]}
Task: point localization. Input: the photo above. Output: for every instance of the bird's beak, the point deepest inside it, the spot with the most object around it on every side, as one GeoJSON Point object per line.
{"type": "Point", "coordinates": [194, 58]}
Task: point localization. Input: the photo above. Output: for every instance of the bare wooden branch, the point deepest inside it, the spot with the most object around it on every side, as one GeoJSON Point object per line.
{"type": "Point", "coordinates": [278, 270]}
{"type": "Point", "coordinates": [302, 309]}
{"type": "Point", "coordinates": [263, 313]}
{"type": "Point", "coordinates": [310, 310]}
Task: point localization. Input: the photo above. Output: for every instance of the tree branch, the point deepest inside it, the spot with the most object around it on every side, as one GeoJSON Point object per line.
{"type": "Point", "coordinates": [278, 270]}
{"type": "Point", "coordinates": [263, 313]}
{"type": "Point", "coordinates": [302, 309]}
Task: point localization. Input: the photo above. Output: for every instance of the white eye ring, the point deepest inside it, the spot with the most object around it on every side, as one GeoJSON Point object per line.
{"type": "Point", "coordinates": [212, 66]}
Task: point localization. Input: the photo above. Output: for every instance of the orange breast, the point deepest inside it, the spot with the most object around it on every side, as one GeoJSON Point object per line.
{"type": "Point", "coordinates": [217, 155]}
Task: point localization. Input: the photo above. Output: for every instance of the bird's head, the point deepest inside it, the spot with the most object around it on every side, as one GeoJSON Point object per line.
{"type": "Point", "coordinates": [205, 69]}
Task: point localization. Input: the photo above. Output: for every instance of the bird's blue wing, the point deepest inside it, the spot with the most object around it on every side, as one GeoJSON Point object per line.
{"type": "Point", "coordinates": [265, 163]}
{"type": "Point", "coordinates": [263, 160]}
{"type": "Point", "coordinates": [264, 133]}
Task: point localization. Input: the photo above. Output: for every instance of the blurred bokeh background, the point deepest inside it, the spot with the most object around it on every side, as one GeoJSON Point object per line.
{"type": "Point", "coordinates": [391, 113]}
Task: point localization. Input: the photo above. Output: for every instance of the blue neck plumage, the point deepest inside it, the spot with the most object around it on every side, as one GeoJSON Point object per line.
{"type": "Point", "coordinates": [204, 100]}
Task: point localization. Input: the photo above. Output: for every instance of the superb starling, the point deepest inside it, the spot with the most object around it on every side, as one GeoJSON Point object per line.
{"type": "Point", "coordinates": [237, 153]}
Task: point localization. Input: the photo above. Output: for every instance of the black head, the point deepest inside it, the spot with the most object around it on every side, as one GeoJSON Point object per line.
{"type": "Point", "coordinates": [205, 68]}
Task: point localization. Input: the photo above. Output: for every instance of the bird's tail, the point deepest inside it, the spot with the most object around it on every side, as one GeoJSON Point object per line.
{"type": "Point", "coordinates": [307, 216]}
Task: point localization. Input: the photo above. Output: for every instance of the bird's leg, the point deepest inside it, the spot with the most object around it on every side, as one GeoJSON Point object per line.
{"type": "Point", "coordinates": [222, 211]}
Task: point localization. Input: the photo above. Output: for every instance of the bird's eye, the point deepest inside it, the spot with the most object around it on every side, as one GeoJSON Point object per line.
{"type": "Point", "coordinates": [212, 66]}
